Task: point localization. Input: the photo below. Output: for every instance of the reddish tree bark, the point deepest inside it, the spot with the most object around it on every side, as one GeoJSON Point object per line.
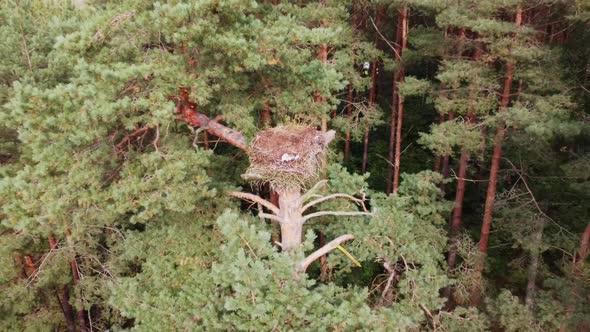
{"type": "Point", "coordinates": [396, 79]}
{"type": "Point", "coordinates": [197, 119]}
{"type": "Point", "coordinates": [577, 268]}
{"type": "Point", "coordinates": [458, 209]}
{"type": "Point", "coordinates": [400, 101]}
{"type": "Point", "coordinates": [372, 96]}
{"type": "Point", "coordinates": [18, 261]}
{"type": "Point", "coordinates": [350, 90]}
{"type": "Point", "coordinates": [497, 155]}
{"type": "Point", "coordinates": [29, 265]}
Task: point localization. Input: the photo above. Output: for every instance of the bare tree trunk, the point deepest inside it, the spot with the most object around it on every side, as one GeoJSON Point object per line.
{"type": "Point", "coordinates": [491, 193]}
{"type": "Point", "coordinates": [396, 79]}
{"type": "Point", "coordinates": [400, 102]}
{"type": "Point", "coordinates": [290, 213]}
{"type": "Point", "coordinates": [577, 268]}
{"type": "Point", "coordinates": [533, 268]}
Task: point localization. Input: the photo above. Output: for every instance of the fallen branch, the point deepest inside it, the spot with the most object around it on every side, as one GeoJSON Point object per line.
{"type": "Point", "coordinates": [336, 213]}
{"type": "Point", "coordinates": [334, 196]}
{"type": "Point", "coordinates": [303, 265]}
{"type": "Point", "coordinates": [255, 199]}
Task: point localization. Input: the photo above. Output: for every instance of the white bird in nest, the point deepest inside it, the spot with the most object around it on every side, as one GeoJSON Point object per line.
{"type": "Point", "coordinates": [289, 157]}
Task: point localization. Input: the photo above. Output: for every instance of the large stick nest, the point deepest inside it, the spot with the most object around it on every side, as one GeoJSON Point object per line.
{"type": "Point", "coordinates": [288, 156]}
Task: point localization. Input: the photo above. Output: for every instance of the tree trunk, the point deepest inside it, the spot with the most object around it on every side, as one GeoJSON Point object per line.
{"type": "Point", "coordinates": [396, 79]}
{"type": "Point", "coordinates": [491, 193]}
{"type": "Point", "coordinates": [350, 90]}
{"type": "Point", "coordinates": [458, 209]}
{"type": "Point", "coordinates": [372, 96]}
{"type": "Point", "coordinates": [290, 213]}
{"type": "Point", "coordinates": [400, 102]}
{"type": "Point", "coordinates": [445, 162]}
{"type": "Point", "coordinates": [438, 158]}
{"type": "Point", "coordinates": [577, 268]}
{"type": "Point", "coordinates": [533, 268]}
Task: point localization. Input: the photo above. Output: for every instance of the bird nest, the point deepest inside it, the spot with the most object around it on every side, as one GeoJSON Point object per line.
{"type": "Point", "coordinates": [288, 156]}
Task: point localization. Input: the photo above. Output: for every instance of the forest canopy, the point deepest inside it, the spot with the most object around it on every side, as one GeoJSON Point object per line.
{"type": "Point", "coordinates": [277, 165]}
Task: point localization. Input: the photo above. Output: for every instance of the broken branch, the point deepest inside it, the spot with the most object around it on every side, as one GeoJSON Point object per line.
{"type": "Point", "coordinates": [255, 199]}
{"type": "Point", "coordinates": [323, 251]}
{"type": "Point", "coordinates": [197, 119]}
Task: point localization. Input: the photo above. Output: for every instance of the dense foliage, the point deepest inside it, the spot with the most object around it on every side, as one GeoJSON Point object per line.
{"type": "Point", "coordinates": [115, 211]}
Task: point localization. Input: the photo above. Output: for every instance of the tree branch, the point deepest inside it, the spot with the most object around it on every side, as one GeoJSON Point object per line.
{"type": "Point", "coordinates": [197, 119]}
{"type": "Point", "coordinates": [335, 213]}
{"type": "Point", "coordinates": [334, 196]}
{"type": "Point", "coordinates": [270, 216]}
{"type": "Point", "coordinates": [255, 199]}
{"type": "Point", "coordinates": [323, 251]}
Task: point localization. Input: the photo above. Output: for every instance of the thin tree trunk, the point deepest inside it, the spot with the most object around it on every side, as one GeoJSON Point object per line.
{"type": "Point", "coordinates": [458, 209]}
{"type": "Point", "coordinates": [445, 161]}
{"type": "Point", "coordinates": [400, 102]}
{"type": "Point", "coordinates": [348, 115]}
{"type": "Point", "coordinates": [392, 124]}
{"type": "Point", "coordinates": [29, 266]}
{"type": "Point", "coordinates": [533, 268]}
{"type": "Point", "coordinates": [350, 89]}
{"type": "Point", "coordinates": [438, 158]}
{"type": "Point", "coordinates": [491, 193]}
{"type": "Point", "coordinates": [577, 268]}
{"type": "Point", "coordinates": [372, 95]}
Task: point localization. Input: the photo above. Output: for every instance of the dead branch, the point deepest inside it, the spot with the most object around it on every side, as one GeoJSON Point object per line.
{"type": "Point", "coordinates": [127, 139]}
{"type": "Point", "coordinates": [336, 213]}
{"type": "Point", "coordinates": [323, 251]}
{"type": "Point", "coordinates": [255, 199]}
{"type": "Point", "coordinates": [334, 196]}
{"type": "Point", "coordinates": [197, 119]}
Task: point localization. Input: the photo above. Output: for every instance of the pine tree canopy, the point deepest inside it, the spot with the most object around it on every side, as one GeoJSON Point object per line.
{"type": "Point", "coordinates": [280, 165]}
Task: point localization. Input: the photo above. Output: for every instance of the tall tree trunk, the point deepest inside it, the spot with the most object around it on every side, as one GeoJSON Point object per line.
{"type": "Point", "coordinates": [458, 209]}
{"type": "Point", "coordinates": [577, 268]}
{"type": "Point", "coordinates": [400, 102]}
{"type": "Point", "coordinates": [497, 155]}
{"type": "Point", "coordinates": [533, 267]}
{"type": "Point", "coordinates": [392, 124]}
{"type": "Point", "coordinates": [350, 89]}
{"type": "Point", "coordinates": [372, 96]}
